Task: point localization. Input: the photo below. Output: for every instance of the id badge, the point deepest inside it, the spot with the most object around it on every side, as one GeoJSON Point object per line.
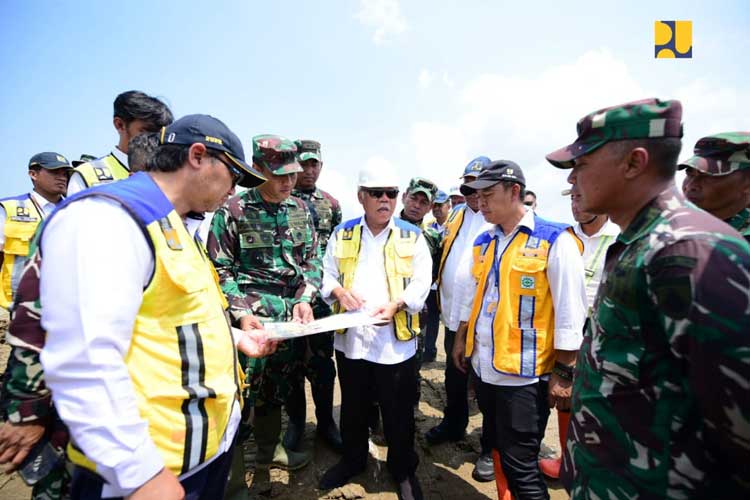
{"type": "Point", "coordinates": [490, 301]}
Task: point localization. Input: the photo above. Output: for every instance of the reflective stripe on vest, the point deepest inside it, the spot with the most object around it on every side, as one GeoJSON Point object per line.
{"type": "Point", "coordinates": [181, 360]}
{"type": "Point", "coordinates": [102, 171]}
{"type": "Point", "coordinates": [524, 322]}
{"type": "Point", "coordinates": [22, 217]}
{"type": "Point", "coordinates": [398, 254]}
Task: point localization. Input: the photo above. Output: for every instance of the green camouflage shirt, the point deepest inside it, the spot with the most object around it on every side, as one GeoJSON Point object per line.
{"type": "Point", "coordinates": [660, 396]}
{"type": "Point", "coordinates": [266, 255]}
{"type": "Point", "coordinates": [325, 210]}
{"type": "Point", "coordinates": [741, 222]}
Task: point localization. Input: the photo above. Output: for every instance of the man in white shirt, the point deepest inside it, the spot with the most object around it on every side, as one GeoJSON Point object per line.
{"type": "Point", "coordinates": [521, 323]}
{"type": "Point", "coordinates": [597, 233]}
{"type": "Point", "coordinates": [464, 224]}
{"type": "Point", "coordinates": [380, 264]}
{"type": "Point", "coordinates": [135, 113]}
{"type": "Point", "coordinates": [139, 356]}
{"type": "Point", "coordinates": [20, 216]}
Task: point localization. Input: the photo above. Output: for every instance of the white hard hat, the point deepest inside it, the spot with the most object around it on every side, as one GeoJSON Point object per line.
{"type": "Point", "coordinates": [377, 176]}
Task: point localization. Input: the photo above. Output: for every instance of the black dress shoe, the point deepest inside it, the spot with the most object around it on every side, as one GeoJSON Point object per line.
{"type": "Point", "coordinates": [409, 489]}
{"type": "Point", "coordinates": [442, 434]}
{"type": "Point", "coordinates": [331, 436]}
{"type": "Point", "coordinates": [339, 475]}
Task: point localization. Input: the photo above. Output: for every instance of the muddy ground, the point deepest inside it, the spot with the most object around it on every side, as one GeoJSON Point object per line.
{"type": "Point", "coordinates": [444, 471]}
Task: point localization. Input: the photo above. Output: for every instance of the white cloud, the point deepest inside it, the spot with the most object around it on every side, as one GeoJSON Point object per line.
{"type": "Point", "coordinates": [384, 16]}
{"type": "Point", "coordinates": [426, 77]}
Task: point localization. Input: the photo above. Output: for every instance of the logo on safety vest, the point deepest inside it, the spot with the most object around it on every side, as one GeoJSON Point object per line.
{"type": "Point", "coordinates": [528, 282]}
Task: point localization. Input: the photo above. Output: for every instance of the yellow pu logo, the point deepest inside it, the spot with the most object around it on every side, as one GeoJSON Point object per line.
{"type": "Point", "coordinates": [673, 39]}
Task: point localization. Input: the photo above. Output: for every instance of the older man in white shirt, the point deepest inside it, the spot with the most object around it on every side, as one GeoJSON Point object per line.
{"type": "Point", "coordinates": [379, 264]}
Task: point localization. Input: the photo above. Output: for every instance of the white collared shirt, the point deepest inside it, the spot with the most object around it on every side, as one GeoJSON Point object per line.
{"type": "Point", "coordinates": [43, 204]}
{"type": "Point", "coordinates": [377, 344]}
{"type": "Point", "coordinates": [453, 272]}
{"type": "Point", "coordinates": [594, 251]}
{"type": "Point", "coordinates": [90, 306]}
{"type": "Point", "coordinates": [565, 277]}
{"type": "Point", "coordinates": [76, 182]}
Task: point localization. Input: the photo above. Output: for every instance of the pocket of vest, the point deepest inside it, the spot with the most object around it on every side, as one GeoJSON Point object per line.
{"type": "Point", "coordinates": [17, 238]}
{"type": "Point", "coordinates": [405, 256]}
{"type": "Point", "coordinates": [186, 278]}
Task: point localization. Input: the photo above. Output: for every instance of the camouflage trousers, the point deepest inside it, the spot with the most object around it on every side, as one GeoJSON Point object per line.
{"type": "Point", "coordinates": [55, 485]}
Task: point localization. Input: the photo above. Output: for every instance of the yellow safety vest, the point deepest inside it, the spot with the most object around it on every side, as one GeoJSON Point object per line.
{"type": "Point", "coordinates": [22, 217]}
{"type": "Point", "coordinates": [523, 325]}
{"type": "Point", "coordinates": [182, 360]}
{"type": "Point", "coordinates": [102, 171]}
{"type": "Point", "coordinates": [399, 253]}
{"type": "Point", "coordinates": [452, 227]}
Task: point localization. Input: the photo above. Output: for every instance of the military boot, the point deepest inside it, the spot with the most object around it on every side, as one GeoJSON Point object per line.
{"type": "Point", "coordinates": [295, 409]}
{"type": "Point", "coordinates": [271, 452]}
{"type": "Point", "coordinates": [327, 429]}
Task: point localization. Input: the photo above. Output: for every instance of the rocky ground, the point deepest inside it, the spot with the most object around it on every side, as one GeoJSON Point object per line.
{"type": "Point", "coordinates": [444, 471]}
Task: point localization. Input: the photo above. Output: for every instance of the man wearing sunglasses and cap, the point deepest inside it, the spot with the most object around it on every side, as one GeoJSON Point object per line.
{"type": "Point", "coordinates": [320, 369]}
{"type": "Point", "coordinates": [717, 178]}
{"type": "Point", "coordinates": [139, 357]}
{"type": "Point", "coordinates": [265, 249]}
{"type": "Point", "coordinates": [521, 323]}
{"type": "Point", "coordinates": [464, 224]}
{"type": "Point", "coordinates": [660, 406]}
{"type": "Point", "coordinates": [379, 264]}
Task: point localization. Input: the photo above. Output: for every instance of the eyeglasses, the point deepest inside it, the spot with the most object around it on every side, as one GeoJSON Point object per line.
{"type": "Point", "coordinates": [528, 203]}
{"type": "Point", "coordinates": [378, 193]}
{"type": "Point", "coordinates": [236, 173]}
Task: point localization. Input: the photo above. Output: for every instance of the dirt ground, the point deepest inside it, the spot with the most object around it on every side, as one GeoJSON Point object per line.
{"type": "Point", "coordinates": [444, 470]}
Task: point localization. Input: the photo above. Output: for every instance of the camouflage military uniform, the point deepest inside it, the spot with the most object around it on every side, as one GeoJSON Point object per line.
{"type": "Point", "coordinates": [25, 396]}
{"type": "Point", "coordinates": [267, 259]}
{"type": "Point", "coordinates": [660, 405]}
{"type": "Point", "coordinates": [720, 155]}
{"type": "Point", "coordinates": [326, 214]}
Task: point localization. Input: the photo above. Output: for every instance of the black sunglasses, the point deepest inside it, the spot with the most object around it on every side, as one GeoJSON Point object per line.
{"type": "Point", "coordinates": [237, 174]}
{"type": "Point", "coordinates": [528, 203]}
{"type": "Point", "coordinates": [378, 193]}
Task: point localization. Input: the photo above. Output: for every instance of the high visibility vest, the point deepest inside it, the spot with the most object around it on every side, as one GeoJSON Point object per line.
{"type": "Point", "coordinates": [523, 325]}
{"type": "Point", "coordinates": [452, 227]}
{"type": "Point", "coordinates": [22, 217]}
{"type": "Point", "coordinates": [102, 171]}
{"type": "Point", "coordinates": [398, 253]}
{"type": "Point", "coordinates": [182, 361]}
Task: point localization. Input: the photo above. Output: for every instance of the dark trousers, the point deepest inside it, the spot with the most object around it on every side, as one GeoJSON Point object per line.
{"type": "Point", "coordinates": [433, 324]}
{"type": "Point", "coordinates": [456, 415]}
{"type": "Point", "coordinates": [206, 484]}
{"type": "Point", "coordinates": [393, 387]}
{"type": "Point", "coordinates": [520, 416]}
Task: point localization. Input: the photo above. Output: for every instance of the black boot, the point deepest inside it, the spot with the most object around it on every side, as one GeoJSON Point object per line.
{"type": "Point", "coordinates": [295, 409]}
{"type": "Point", "coordinates": [327, 429]}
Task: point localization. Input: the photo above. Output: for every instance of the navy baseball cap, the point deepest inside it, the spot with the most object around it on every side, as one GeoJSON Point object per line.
{"type": "Point", "coordinates": [49, 161]}
{"type": "Point", "coordinates": [212, 133]}
{"type": "Point", "coordinates": [496, 171]}
{"type": "Point", "coordinates": [441, 197]}
{"type": "Point", "coordinates": [475, 166]}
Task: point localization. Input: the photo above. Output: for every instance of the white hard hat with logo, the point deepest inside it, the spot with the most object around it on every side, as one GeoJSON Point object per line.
{"type": "Point", "coordinates": [378, 176]}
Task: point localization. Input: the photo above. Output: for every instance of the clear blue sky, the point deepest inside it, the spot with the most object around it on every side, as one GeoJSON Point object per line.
{"type": "Point", "coordinates": [420, 85]}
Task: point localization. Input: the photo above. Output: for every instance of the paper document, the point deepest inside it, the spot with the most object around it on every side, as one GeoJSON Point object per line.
{"type": "Point", "coordinates": [290, 329]}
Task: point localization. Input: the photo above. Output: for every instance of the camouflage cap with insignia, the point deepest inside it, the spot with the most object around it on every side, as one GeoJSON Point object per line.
{"type": "Point", "coordinates": [308, 150]}
{"type": "Point", "coordinates": [645, 119]}
{"type": "Point", "coordinates": [720, 154]}
{"type": "Point", "coordinates": [276, 153]}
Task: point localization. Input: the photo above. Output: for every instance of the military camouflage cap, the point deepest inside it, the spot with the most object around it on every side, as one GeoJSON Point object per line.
{"type": "Point", "coordinates": [720, 154]}
{"type": "Point", "coordinates": [648, 118]}
{"type": "Point", "coordinates": [308, 150]}
{"type": "Point", "coordinates": [424, 186]}
{"type": "Point", "coordinates": [276, 153]}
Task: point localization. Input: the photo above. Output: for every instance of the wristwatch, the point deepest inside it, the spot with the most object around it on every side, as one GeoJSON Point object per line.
{"type": "Point", "coordinates": [563, 371]}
